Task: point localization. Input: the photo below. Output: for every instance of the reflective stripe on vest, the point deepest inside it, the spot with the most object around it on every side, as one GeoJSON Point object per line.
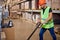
{"type": "Point", "coordinates": [44, 16]}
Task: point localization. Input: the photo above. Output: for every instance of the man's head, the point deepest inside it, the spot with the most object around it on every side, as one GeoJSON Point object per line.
{"type": "Point", "coordinates": [43, 6]}
{"type": "Point", "coordinates": [42, 3]}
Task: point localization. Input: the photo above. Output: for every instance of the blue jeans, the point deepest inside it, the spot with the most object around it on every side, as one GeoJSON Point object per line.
{"type": "Point", "coordinates": [51, 30]}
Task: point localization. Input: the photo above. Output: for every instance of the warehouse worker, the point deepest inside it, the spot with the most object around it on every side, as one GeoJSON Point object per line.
{"type": "Point", "coordinates": [46, 20]}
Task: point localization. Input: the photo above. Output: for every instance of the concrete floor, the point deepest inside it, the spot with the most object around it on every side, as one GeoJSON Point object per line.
{"type": "Point", "coordinates": [22, 29]}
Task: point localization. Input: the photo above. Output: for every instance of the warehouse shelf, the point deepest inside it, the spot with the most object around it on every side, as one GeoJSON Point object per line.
{"type": "Point", "coordinates": [54, 11]}
{"type": "Point", "coordinates": [29, 10]}
{"type": "Point", "coordinates": [33, 10]}
{"type": "Point", "coordinates": [21, 2]}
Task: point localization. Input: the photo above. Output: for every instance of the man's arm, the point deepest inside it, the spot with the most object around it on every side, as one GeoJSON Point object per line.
{"type": "Point", "coordinates": [50, 17]}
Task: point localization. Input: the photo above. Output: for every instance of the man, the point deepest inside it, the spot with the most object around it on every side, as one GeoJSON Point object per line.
{"type": "Point", "coordinates": [46, 20]}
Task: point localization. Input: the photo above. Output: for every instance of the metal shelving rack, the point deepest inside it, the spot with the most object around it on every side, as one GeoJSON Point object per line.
{"type": "Point", "coordinates": [54, 11]}
{"type": "Point", "coordinates": [37, 10]}
{"type": "Point", "coordinates": [30, 10]}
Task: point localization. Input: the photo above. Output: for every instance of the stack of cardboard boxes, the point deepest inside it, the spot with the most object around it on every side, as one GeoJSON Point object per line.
{"type": "Point", "coordinates": [56, 4]}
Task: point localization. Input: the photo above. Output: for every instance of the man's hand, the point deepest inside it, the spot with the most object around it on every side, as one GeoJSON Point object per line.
{"type": "Point", "coordinates": [44, 22]}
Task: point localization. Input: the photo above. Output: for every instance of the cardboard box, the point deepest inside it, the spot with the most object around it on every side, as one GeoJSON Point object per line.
{"type": "Point", "coordinates": [15, 7]}
{"type": "Point", "coordinates": [9, 33]}
{"type": "Point", "coordinates": [3, 36]}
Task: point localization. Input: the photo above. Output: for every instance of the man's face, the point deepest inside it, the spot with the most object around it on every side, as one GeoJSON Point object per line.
{"type": "Point", "coordinates": [43, 6]}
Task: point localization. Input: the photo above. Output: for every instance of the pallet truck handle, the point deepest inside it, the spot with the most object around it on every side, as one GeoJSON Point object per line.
{"type": "Point", "coordinates": [37, 25]}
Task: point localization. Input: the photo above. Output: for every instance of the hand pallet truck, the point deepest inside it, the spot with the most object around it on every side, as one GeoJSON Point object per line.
{"type": "Point", "coordinates": [37, 26]}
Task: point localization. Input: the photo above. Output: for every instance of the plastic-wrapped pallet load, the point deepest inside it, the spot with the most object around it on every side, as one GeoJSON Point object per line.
{"type": "Point", "coordinates": [27, 5]}
{"type": "Point", "coordinates": [22, 5]}
{"type": "Point", "coordinates": [34, 18]}
{"type": "Point", "coordinates": [29, 16]}
{"type": "Point", "coordinates": [33, 4]}
{"type": "Point", "coordinates": [24, 15]}
{"type": "Point", "coordinates": [37, 16]}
